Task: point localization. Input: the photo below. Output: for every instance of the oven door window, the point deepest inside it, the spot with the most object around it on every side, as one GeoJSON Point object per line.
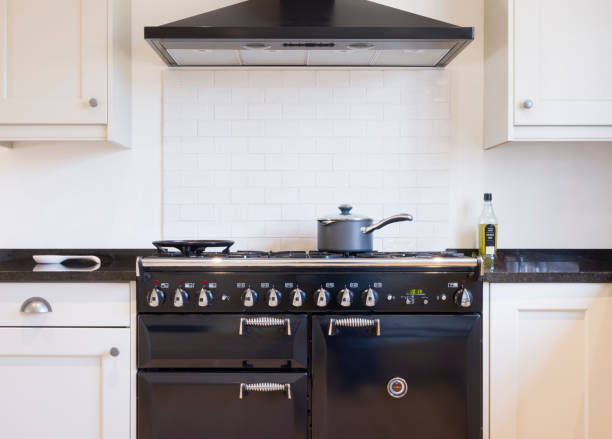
{"type": "Point", "coordinates": [215, 405]}
{"type": "Point", "coordinates": [397, 376]}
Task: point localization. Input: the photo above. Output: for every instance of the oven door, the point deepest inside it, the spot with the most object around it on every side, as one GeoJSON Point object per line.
{"type": "Point", "coordinates": [397, 376]}
{"type": "Point", "coordinates": [235, 341]}
{"type": "Point", "coordinates": [214, 405]}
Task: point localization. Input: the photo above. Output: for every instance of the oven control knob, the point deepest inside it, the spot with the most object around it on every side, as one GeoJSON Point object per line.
{"type": "Point", "coordinates": [463, 298]}
{"type": "Point", "coordinates": [249, 297]}
{"type": "Point", "coordinates": [345, 297]}
{"type": "Point", "coordinates": [321, 297]}
{"type": "Point", "coordinates": [369, 297]}
{"type": "Point", "coordinates": [180, 297]}
{"type": "Point", "coordinates": [205, 298]}
{"type": "Point", "coordinates": [297, 297]}
{"type": "Point", "coordinates": [156, 297]}
{"type": "Point", "coordinates": [273, 297]}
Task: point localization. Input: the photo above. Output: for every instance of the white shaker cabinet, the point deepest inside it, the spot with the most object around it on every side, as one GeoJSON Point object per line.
{"type": "Point", "coordinates": [547, 71]}
{"type": "Point", "coordinates": [59, 381]}
{"type": "Point", "coordinates": [550, 361]}
{"type": "Point", "coordinates": [65, 70]}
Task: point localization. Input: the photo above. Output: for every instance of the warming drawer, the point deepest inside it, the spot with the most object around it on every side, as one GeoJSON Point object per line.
{"type": "Point", "coordinates": [215, 405]}
{"type": "Point", "coordinates": [229, 341]}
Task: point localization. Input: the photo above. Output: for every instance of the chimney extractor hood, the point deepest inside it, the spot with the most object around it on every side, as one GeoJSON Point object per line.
{"type": "Point", "coordinates": [308, 33]}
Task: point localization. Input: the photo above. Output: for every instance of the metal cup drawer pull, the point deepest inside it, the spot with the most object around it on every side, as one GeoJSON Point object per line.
{"type": "Point", "coordinates": [354, 322]}
{"type": "Point", "coordinates": [264, 387]}
{"type": "Point", "coordinates": [36, 305]}
{"type": "Point", "coordinates": [263, 322]}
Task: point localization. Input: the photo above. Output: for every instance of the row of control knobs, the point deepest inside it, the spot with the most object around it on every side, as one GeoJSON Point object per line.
{"type": "Point", "coordinates": [297, 297]}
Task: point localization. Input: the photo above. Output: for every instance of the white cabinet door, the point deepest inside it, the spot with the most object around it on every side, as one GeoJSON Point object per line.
{"type": "Point", "coordinates": [563, 62]}
{"type": "Point", "coordinates": [53, 60]}
{"type": "Point", "coordinates": [551, 361]}
{"type": "Point", "coordinates": [63, 383]}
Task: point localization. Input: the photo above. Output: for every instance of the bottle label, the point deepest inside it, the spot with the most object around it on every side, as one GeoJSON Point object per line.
{"type": "Point", "coordinates": [489, 239]}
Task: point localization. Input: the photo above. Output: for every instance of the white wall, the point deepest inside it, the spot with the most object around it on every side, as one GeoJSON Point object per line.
{"type": "Point", "coordinates": [89, 195]}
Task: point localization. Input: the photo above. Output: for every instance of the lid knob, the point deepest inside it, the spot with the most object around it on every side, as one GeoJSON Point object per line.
{"type": "Point", "coordinates": [345, 209]}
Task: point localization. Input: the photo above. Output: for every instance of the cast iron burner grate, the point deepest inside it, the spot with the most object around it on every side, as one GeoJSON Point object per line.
{"type": "Point", "coordinates": [189, 248]}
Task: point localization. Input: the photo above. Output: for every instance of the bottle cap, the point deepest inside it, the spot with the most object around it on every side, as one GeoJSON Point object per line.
{"type": "Point", "coordinates": [488, 197]}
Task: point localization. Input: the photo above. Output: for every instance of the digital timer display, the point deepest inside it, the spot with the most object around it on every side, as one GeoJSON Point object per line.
{"type": "Point", "coordinates": [415, 291]}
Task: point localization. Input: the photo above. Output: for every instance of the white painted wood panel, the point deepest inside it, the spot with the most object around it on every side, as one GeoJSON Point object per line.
{"type": "Point", "coordinates": [73, 304]}
{"type": "Point", "coordinates": [62, 383]}
{"type": "Point", "coordinates": [562, 62]}
{"type": "Point", "coordinates": [53, 60]}
{"type": "Point", "coordinates": [550, 361]}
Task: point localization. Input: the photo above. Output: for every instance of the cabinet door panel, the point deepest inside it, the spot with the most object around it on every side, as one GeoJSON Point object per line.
{"type": "Point", "coordinates": [53, 60]}
{"type": "Point", "coordinates": [550, 361]}
{"type": "Point", "coordinates": [62, 383]}
{"type": "Point", "coordinates": [562, 62]}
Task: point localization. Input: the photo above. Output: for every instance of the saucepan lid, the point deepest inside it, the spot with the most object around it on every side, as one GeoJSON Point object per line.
{"type": "Point", "coordinates": [344, 215]}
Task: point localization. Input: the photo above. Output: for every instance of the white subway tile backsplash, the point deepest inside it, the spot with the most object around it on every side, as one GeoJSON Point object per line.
{"type": "Point", "coordinates": [209, 95]}
{"type": "Point", "coordinates": [231, 78]}
{"type": "Point", "coordinates": [264, 111]}
{"type": "Point", "coordinates": [315, 95]}
{"type": "Point", "coordinates": [333, 78]}
{"type": "Point", "coordinates": [299, 78]}
{"type": "Point", "coordinates": [257, 155]}
{"type": "Point", "coordinates": [248, 161]}
{"type": "Point", "coordinates": [247, 95]}
{"type": "Point", "coordinates": [208, 128]}
{"type": "Point", "coordinates": [282, 95]}
{"type": "Point", "coordinates": [230, 111]}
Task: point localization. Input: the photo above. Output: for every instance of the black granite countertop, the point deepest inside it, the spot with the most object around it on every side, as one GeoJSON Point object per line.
{"type": "Point", "coordinates": [119, 265]}
{"type": "Point", "coordinates": [116, 266]}
{"type": "Point", "coordinates": [594, 266]}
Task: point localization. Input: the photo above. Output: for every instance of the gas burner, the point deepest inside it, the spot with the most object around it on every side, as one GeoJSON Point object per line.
{"type": "Point", "coordinates": [247, 254]}
{"type": "Point", "coordinates": [189, 248]}
{"type": "Point", "coordinates": [377, 254]}
{"type": "Point", "coordinates": [325, 255]}
{"type": "Point", "coordinates": [289, 255]}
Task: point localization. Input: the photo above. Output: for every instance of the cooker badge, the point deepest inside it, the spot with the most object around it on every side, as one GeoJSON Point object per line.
{"type": "Point", "coordinates": [397, 387]}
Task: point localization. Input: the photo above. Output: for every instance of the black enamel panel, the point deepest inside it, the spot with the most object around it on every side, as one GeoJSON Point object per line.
{"type": "Point", "coordinates": [436, 291]}
{"type": "Point", "coordinates": [202, 405]}
{"type": "Point", "coordinates": [439, 357]}
{"type": "Point", "coordinates": [213, 341]}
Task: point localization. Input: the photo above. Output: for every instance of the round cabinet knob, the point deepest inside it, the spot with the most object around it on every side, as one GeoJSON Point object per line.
{"type": "Point", "coordinates": [180, 297]}
{"type": "Point", "coordinates": [369, 297]}
{"type": "Point", "coordinates": [297, 297]}
{"type": "Point", "coordinates": [249, 298]}
{"type": "Point", "coordinates": [463, 298]}
{"type": "Point", "coordinates": [93, 102]}
{"type": "Point", "coordinates": [273, 297]}
{"type": "Point", "coordinates": [321, 297]}
{"type": "Point", "coordinates": [528, 104]}
{"type": "Point", "coordinates": [155, 297]}
{"type": "Point", "coordinates": [345, 297]}
{"type": "Point", "coordinates": [114, 352]}
{"type": "Point", "coordinates": [205, 298]}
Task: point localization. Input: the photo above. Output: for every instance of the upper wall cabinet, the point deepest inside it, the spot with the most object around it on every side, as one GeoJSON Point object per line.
{"type": "Point", "coordinates": [547, 71]}
{"type": "Point", "coordinates": [65, 70]}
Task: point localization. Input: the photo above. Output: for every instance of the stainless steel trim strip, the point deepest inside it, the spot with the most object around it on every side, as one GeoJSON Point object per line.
{"type": "Point", "coordinates": [440, 262]}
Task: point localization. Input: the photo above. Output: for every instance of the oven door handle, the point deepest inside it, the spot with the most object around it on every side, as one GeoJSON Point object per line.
{"type": "Point", "coordinates": [263, 322]}
{"type": "Point", "coordinates": [264, 387]}
{"type": "Point", "coordinates": [354, 322]}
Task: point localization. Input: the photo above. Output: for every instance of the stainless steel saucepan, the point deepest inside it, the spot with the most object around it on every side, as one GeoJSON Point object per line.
{"type": "Point", "coordinates": [347, 232]}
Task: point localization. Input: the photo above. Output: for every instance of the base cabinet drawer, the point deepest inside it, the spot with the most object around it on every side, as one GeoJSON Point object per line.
{"type": "Point", "coordinates": [214, 405]}
{"type": "Point", "coordinates": [65, 304]}
{"type": "Point", "coordinates": [65, 383]}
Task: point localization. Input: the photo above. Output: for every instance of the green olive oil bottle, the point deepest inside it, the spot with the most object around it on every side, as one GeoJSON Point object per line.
{"type": "Point", "coordinates": [487, 232]}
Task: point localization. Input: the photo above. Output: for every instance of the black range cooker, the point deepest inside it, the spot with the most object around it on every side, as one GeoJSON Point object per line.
{"type": "Point", "coordinates": [308, 344]}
